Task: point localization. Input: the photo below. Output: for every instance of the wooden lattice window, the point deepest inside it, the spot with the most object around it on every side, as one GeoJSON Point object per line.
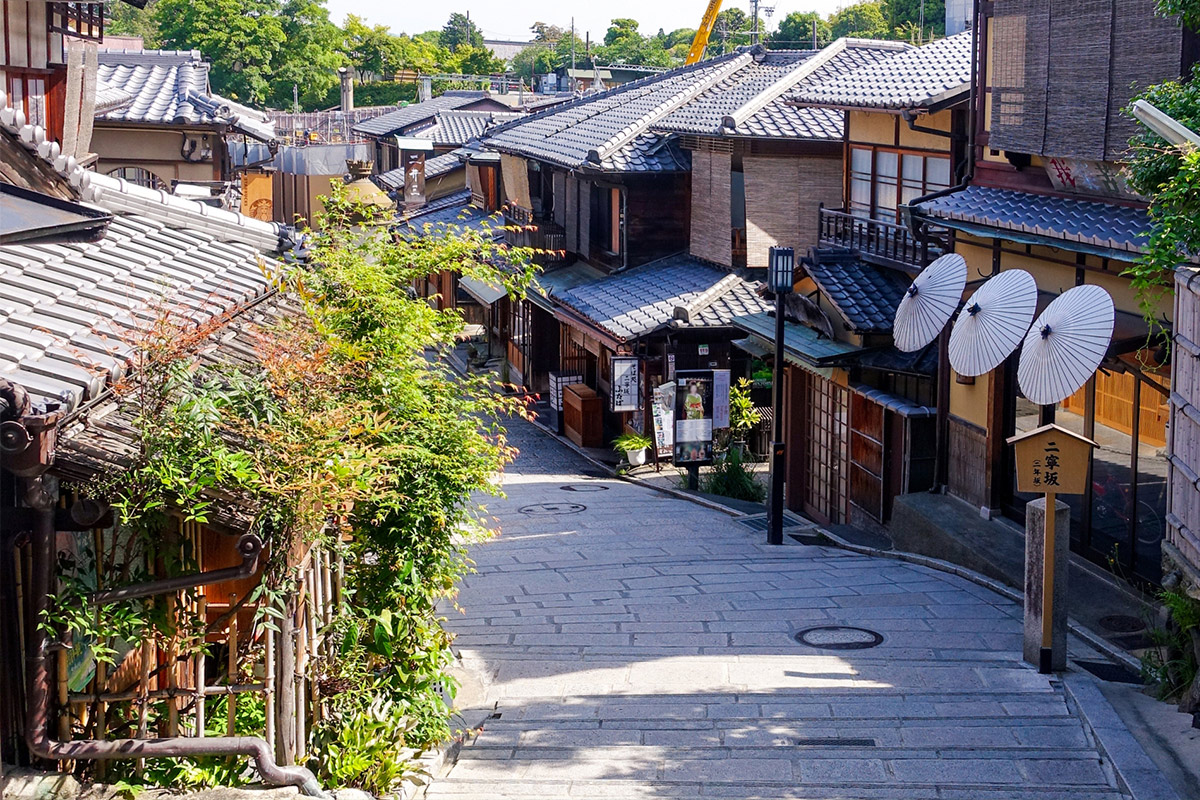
{"type": "Point", "coordinates": [81, 20]}
{"type": "Point", "coordinates": [828, 457]}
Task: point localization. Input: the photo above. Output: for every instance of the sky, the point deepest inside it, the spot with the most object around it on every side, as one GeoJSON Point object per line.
{"type": "Point", "coordinates": [511, 19]}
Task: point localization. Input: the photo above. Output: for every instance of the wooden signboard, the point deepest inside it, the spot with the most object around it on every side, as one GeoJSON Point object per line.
{"type": "Point", "coordinates": [1051, 460]}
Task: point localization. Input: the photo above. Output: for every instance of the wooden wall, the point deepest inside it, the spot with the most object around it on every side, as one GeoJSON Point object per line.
{"type": "Point", "coordinates": [657, 216]}
{"type": "Point", "coordinates": [968, 462]}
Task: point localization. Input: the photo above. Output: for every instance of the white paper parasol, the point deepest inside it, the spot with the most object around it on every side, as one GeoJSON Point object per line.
{"type": "Point", "coordinates": [993, 322]}
{"type": "Point", "coordinates": [1066, 344]}
{"type": "Point", "coordinates": [930, 302]}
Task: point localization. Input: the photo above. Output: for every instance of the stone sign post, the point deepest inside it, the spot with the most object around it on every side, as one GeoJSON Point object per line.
{"type": "Point", "coordinates": [1051, 461]}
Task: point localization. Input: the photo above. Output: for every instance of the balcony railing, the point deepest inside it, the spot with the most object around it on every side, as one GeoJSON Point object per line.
{"type": "Point", "coordinates": [882, 242]}
{"type": "Point", "coordinates": [545, 236]}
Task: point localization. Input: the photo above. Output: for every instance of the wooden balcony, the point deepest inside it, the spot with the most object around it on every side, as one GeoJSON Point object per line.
{"type": "Point", "coordinates": [885, 243]}
{"type": "Point", "coordinates": [543, 235]}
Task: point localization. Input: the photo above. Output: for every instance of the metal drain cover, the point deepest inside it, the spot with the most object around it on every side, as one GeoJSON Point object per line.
{"type": "Point", "coordinates": [839, 637]}
{"type": "Point", "coordinates": [550, 509]}
{"type": "Point", "coordinates": [835, 742]}
{"type": "Point", "coordinates": [584, 487]}
{"type": "Point", "coordinates": [1122, 623]}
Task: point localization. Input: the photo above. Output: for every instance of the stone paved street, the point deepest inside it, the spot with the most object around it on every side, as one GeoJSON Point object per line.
{"type": "Point", "coordinates": [641, 646]}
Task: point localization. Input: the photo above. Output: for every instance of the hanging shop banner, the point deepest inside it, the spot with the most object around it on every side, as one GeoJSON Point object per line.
{"type": "Point", "coordinates": [414, 178]}
{"type": "Point", "coordinates": [626, 384]}
{"type": "Point", "coordinates": [693, 416]}
{"type": "Point", "coordinates": [720, 398]}
{"type": "Point", "coordinates": [663, 413]}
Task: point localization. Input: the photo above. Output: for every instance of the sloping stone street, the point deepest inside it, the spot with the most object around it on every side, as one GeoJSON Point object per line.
{"type": "Point", "coordinates": [637, 646]}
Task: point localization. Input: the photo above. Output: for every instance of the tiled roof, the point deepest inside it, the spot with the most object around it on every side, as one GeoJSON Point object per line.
{"type": "Point", "coordinates": [918, 78]}
{"type": "Point", "coordinates": [416, 113]}
{"type": "Point", "coordinates": [393, 179]}
{"type": "Point", "coordinates": [612, 126]}
{"type": "Point", "coordinates": [448, 213]}
{"type": "Point", "coordinates": [1083, 222]}
{"type": "Point", "coordinates": [459, 127]}
{"type": "Point", "coordinates": [864, 295]}
{"type": "Point", "coordinates": [752, 99]}
{"type": "Point", "coordinates": [65, 309]}
{"type": "Point", "coordinates": [170, 87]}
{"type": "Point", "coordinates": [802, 345]}
{"type": "Point", "coordinates": [641, 300]}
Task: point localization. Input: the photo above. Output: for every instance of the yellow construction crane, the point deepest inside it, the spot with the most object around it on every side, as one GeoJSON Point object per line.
{"type": "Point", "coordinates": [703, 32]}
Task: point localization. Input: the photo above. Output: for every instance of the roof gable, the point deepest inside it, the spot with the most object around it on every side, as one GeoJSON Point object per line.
{"type": "Point", "coordinates": [919, 78]}
{"type": "Point", "coordinates": [426, 112]}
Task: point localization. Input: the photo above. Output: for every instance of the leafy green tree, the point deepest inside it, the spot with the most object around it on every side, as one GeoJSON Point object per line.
{"type": "Point", "coordinates": [622, 28]}
{"type": "Point", "coordinates": [903, 15]}
{"type": "Point", "coordinates": [861, 21]}
{"type": "Point", "coordinates": [546, 33]}
{"type": "Point", "coordinates": [122, 19]}
{"type": "Point", "coordinates": [796, 32]}
{"type": "Point", "coordinates": [472, 60]}
{"type": "Point", "coordinates": [310, 56]}
{"type": "Point", "coordinates": [459, 31]}
{"type": "Point", "coordinates": [537, 59]}
{"type": "Point", "coordinates": [244, 39]}
{"type": "Point", "coordinates": [680, 36]}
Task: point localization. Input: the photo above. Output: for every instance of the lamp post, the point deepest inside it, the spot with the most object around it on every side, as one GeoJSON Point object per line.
{"type": "Point", "coordinates": [780, 275]}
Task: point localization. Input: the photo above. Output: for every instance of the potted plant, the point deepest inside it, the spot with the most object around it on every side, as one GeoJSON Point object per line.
{"type": "Point", "coordinates": [743, 416]}
{"type": "Point", "coordinates": [634, 446]}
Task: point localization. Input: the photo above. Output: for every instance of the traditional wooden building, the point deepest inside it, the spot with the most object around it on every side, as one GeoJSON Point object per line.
{"type": "Point", "coordinates": [1045, 194]}
{"type": "Point", "coordinates": [859, 415]}
{"type": "Point", "coordinates": [675, 186]}
{"type": "Point", "coordinates": [172, 128]}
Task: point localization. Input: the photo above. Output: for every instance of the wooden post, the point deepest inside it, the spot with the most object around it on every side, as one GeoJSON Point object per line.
{"type": "Point", "coordinates": [1045, 658]}
{"type": "Point", "coordinates": [286, 731]}
{"type": "Point", "coordinates": [269, 688]}
{"type": "Point", "coordinates": [144, 692]}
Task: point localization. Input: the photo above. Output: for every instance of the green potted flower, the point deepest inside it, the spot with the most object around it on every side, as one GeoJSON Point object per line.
{"type": "Point", "coordinates": [634, 446]}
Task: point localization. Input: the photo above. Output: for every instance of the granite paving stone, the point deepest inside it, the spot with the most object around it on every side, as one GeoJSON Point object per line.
{"type": "Point", "coordinates": [685, 681]}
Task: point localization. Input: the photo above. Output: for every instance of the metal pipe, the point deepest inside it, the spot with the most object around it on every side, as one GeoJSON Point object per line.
{"type": "Point", "coordinates": [37, 733]}
{"type": "Point", "coordinates": [249, 545]}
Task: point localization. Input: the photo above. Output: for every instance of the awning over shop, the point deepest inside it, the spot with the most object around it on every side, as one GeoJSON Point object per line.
{"type": "Point", "coordinates": [802, 346]}
{"type": "Point", "coordinates": [752, 346]}
{"type": "Point", "coordinates": [1085, 226]}
{"type": "Point", "coordinates": [483, 292]}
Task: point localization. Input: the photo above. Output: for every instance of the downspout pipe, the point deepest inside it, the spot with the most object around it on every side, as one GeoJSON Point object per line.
{"type": "Point", "coordinates": [41, 496]}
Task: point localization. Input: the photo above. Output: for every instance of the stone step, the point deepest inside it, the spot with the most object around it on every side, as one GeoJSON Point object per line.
{"type": "Point", "coordinates": [629, 789]}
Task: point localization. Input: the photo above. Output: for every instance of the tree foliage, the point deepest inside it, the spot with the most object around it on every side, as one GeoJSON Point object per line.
{"type": "Point", "coordinates": [795, 31]}
{"type": "Point", "coordinates": [349, 431]}
{"type": "Point", "coordinates": [861, 21]}
{"type": "Point", "coordinates": [460, 31]}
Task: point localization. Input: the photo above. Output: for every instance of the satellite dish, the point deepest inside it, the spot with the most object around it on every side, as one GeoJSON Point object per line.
{"type": "Point", "coordinates": [1065, 346]}
{"type": "Point", "coordinates": [993, 322]}
{"type": "Point", "coordinates": [930, 302]}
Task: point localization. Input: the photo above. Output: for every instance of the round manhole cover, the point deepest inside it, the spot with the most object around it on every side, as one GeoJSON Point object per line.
{"type": "Point", "coordinates": [1122, 623]}
{"type": "Point", "coordinates": [839, 637]}
{"type": "Point", "coordinates": [584, 487]}
{"type": "Point", "coordinates": [550, 509]}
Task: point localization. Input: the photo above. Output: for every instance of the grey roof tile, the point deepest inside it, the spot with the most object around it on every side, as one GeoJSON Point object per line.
{"type": "Point", "coordinates": [638, 301]}
{"type": "Point", "coordinates": [448, 214]}
{"type": "Point", "coordinates": [913, 79]}
{"type": "Point", "coordinates": [866, 296]}
{"type": "Point", "coordinates": [416, 113]}
{"type": "Point", "coordinates": [168, 87]}
{"type": "Point", "coordinates": [393, 179]}
{"type": "Point", "coordinates": [1103, 225]}
{"type": "Point", "coordinates": [459, 127]}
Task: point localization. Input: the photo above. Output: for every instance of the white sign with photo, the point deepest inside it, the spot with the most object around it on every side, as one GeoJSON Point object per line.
{"type": "Point", "coordinates": [663, 413]}
{"type": "Point", "coordinates": [720, 398]}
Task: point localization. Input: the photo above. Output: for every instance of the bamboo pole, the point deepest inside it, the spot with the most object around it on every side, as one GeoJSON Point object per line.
{"type": "Point", "coordinates": [144, 693]}
{"type": "Point", "coordinates": [64, 709]}
{"type": "Point", "coordinates": [269, 688]}
{"type": "Point", "coordinates": [287, 692]}
{"type": "Point", "coordinates": [173, 666]}
{"type": "Point", "coordinates": [231, 700]}
{"type": "Point", "coordinates": [202, 613]}
{"type": "Point", "coordinates": [101, 676]}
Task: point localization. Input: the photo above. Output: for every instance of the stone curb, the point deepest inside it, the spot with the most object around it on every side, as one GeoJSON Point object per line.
{"type": "Point", "coordinates": [1136, 772]}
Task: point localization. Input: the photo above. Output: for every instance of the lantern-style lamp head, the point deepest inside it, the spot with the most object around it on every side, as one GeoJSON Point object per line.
{"type": "Point", "coordinates": [781, 269]}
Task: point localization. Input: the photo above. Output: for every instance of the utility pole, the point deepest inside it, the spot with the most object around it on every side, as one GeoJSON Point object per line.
{"type": "Point", "coordinates": [571, 77]}
{"type": "Point", "coordinates": [754, 30]}
{"type": "Point", "coordinates": [814, 26]}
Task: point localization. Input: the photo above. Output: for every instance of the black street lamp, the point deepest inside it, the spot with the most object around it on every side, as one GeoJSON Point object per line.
{"type": "Point", "coordinates": [780, 277]}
